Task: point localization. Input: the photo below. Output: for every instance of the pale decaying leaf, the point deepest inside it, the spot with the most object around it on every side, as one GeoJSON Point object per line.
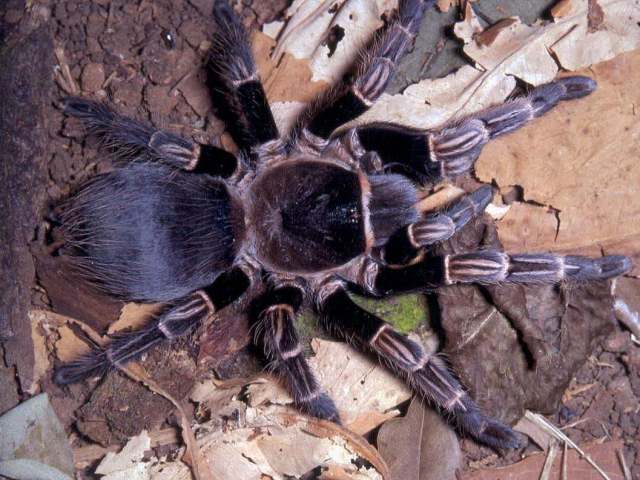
{"type": "Point", "coordinates": [303, 62]}
{"type": "Point", "coordinates": [306, 34]}
{"type": "Point", "coordinates": [134, 463]}
{"type": "Point", "coordinates": [128, 458]}
{"type": "Point", "coordinates": [33, 443]}
{"type": "Point", "coordinates": [283, 447]}
{"type": "Point", "coordinates": [276, 442]}
{"type": "Point", "coordinates": [582, 160]}
{"type": "Point", "coordinates": [358, 384]}
{"type": "Point", "coordinates": [364, 392]}
{"type": "Point", "coordinates": [611, 27]}
{"type": "Point", "coordinates": [268, 437]}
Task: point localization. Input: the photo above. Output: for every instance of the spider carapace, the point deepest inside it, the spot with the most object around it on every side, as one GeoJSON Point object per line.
{"type": "Point", "coordinates": [314, 214]}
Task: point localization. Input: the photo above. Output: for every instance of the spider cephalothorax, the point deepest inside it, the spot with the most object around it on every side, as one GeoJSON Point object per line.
{"type": "Point", "coordinates": [314, 215]}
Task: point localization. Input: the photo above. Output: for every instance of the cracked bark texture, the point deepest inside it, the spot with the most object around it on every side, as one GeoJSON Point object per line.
{"type": "Point", "coordinates": [26, 65]}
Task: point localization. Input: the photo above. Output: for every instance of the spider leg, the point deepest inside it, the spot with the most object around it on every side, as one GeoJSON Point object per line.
{"type": "Point", "coordinates": [491, 266]}
{"type": "Point", "coordinates": [130, 139]}
{"type": "Point", "coordinates": [427, 374]}
{"type": "Point", "coordinates": [451, 151]}
{"type": "Point", "coordinates": [275, 330]}
{"type": "Point", "coordinates": [406, 243]}
{"type": "Point", "coordinates": [373, 73]}
{"type": "Point", "coordinates": [178, 319]}
{"type": "Point", "coordinates": [236, 83]}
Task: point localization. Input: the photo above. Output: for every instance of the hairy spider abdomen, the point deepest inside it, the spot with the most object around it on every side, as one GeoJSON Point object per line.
{"type": "Point", "coordinates": [151, 233]}
{"type": "Point", "coordinates": [308, 216]}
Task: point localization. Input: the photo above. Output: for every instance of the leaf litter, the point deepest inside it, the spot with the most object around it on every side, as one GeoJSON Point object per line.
{"type": "Point", "coordinates": [260, 421]}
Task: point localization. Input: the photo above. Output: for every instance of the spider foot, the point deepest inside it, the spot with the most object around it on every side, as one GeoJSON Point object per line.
{"type": "Point", "coordinates": [94, 363]}
{"type": "Point", "coordinates": [488, 431]}
{"type": "Point", "coordinates": [322, 407]}
{"type": "Point", "coordinates": [577, 87]}
{"type": "Point", "coordinates": [583, 268]}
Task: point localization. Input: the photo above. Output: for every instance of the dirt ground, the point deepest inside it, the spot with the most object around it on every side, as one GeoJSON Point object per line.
{"type": "Point", "coordinates": [146, 57]}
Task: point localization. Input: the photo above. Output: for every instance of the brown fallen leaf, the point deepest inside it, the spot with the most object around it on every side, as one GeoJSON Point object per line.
{"type": "Point", "coordinates": [420, 445]}
{"type": "Point", "coordinates": [134, 316]}
{"type": "Point", "coordinates": [286, 80]}
{"type": "Point", "coordinates": [582, 160]}
{"type": "Point", "coordinates": [69, 347]}
{"type": "Point", "coordinates": [529, 468]}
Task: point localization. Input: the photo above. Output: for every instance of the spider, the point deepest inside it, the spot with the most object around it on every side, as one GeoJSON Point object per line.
{"type": "Point", "coordinates": [313, 215]}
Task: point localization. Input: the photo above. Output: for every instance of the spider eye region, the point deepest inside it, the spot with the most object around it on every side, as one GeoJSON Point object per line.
{"type": "Point", "coordinates": [307, 216]}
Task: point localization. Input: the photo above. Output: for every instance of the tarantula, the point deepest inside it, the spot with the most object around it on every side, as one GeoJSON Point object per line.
{"type": "Point", "coordinates": [313, 215]}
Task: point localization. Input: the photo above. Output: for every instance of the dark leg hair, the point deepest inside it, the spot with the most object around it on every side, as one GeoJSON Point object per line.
{"type": "Point", "coordinates": [275, 331]}
{"type": "Point", "coordinates": [406, 244]}
{"type": "Point", "coordinates": [427, 374]}
{"type": "Point", "coordinates": [178, 319]}
{"type": "Point", "coordinates": [490, 266]}
{"type": "Point", "coordinates": [373, 74]}
{"type": "Point", "coordinates": [451, 151]}
{"type": "Point", "coordinates": [235, 82]}
{"type": "Point", "coordinates": [130, 139]}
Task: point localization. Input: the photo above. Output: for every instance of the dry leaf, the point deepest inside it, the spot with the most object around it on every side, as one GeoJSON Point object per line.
{"type": "Point", "coordinates": [288, 79]}
{"type": "Point", "coordinates": [285, 445]}
{"type": "Point", "coordinates": [529, 469]}
{"type": "Point", "coordinates": [420, 445]}
{"type": "Point", "coordinates": [134, 316]}
{"type": "Point", "coordinates": [582, 160]}
{"type": "Point", "coordinates": [508, 50]}
{"type": "Point", "coordinates": [69, 347]}
{"type": "Point", "coordinates": [129, 458]}
{"type": "Point", "coordinates": [310, 22]}
{"type": "Point", "coordinates": [599, 30]}
{"type": "Point", "coordinates": [40, 354]}
{"type": "Point", "coordinates": [357, 384]}
{"type": "Point", "coordinates": [364, 392]}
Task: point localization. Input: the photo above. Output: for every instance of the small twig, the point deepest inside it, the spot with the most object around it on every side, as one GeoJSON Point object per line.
{"type": "Point", "coordinates": [63, 75]}
{"type": "Point", "coordinates": [575, 424]}
{"type": "Point", "coordinates": [548, 462]}
{"type": "Point", "coordinates": [623, 464]}
{"type": "Point", "coordinates": [577, 390]}
{"type": "Point", "coordinates": [559, 435]}
{"type": "Point", "coordinates": [565, 454]}
{"type": "Point", "coordinates": [110, 19]}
